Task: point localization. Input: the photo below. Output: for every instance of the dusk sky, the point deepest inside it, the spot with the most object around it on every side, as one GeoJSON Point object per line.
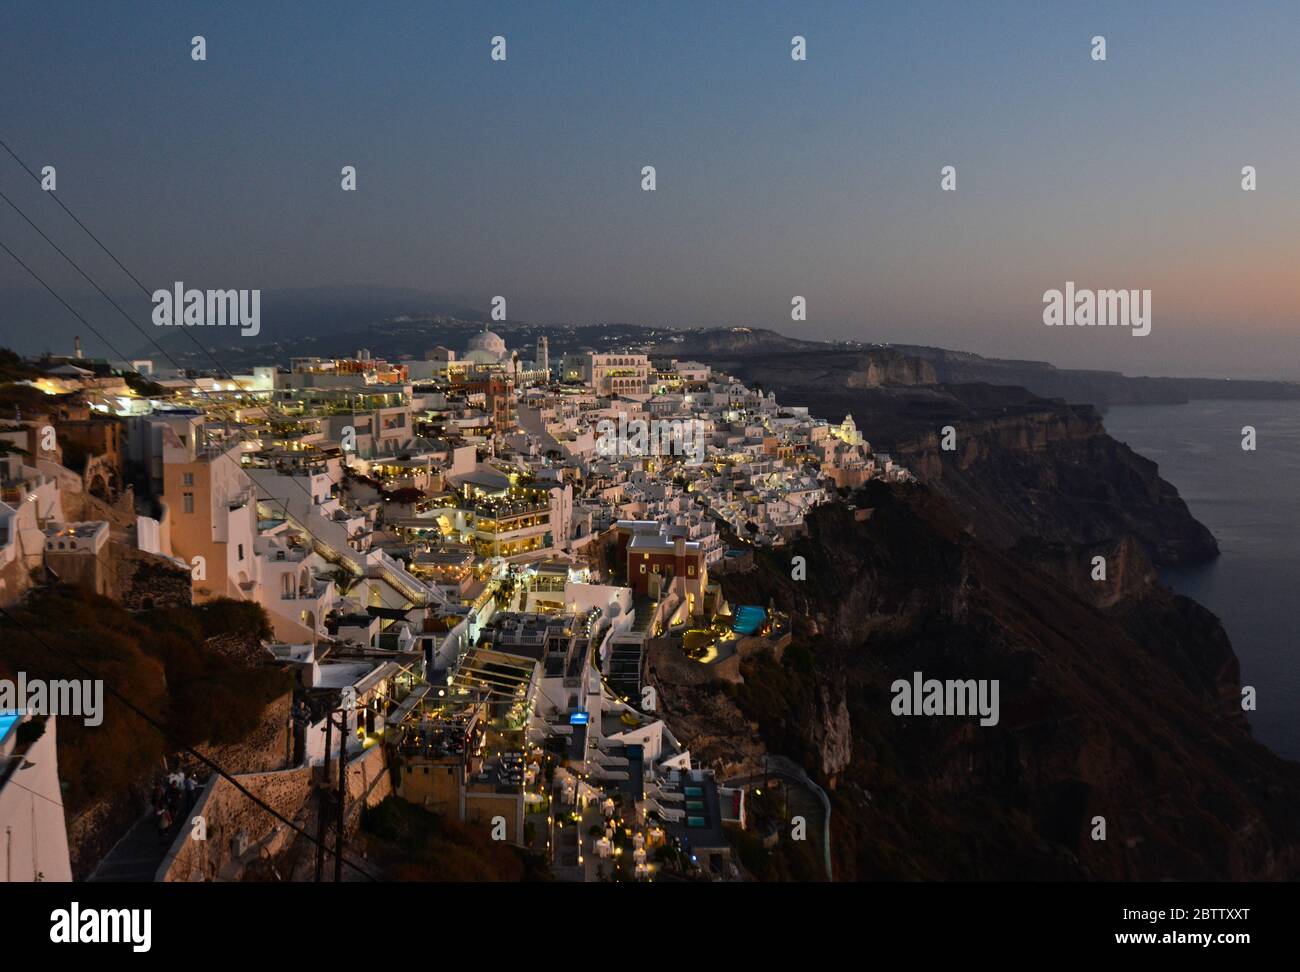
{"type": "Point", "coordinates": [775, 178]}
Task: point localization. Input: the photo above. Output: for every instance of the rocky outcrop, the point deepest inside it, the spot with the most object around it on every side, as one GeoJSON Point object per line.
{"type": "Point", "coordinates": [887, 367]}
{"type": "Point", "coordinates": [701, 710]}
{"type": "Point", "coordinates": [1024, 468]}
{"type": "Point", "coordinates": [1103, 574]}
{"type": "Point", "coordinates": [269, 747]}
{"type": "Point", "coordinates": [1050, 474]}
{"type": "Point", "coordinates": [1099, 388]}
{"type": "Point", "coordinates": [759, 352]}
{"type": "Point", "coordinates": [142, 581]}
{"type": "Point", "coordinates": [1128, 712]}
{"type": "Point", "coordinates": [1119, 699]}
{"type": "Point", "coordinates": [831, 731]}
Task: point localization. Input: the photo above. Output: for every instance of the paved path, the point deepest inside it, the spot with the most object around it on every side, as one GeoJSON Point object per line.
{"type": "Point", "coordinates": [785, 769]}
{"type": "Point", "coordinates": [137, 856]}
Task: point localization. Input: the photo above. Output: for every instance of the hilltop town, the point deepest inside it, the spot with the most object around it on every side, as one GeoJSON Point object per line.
{"type": "Point", "coordinates": [468, 567]}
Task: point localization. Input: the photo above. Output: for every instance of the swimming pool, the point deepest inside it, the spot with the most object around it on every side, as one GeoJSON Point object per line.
{"type": "Point", "coordinates": [695, 822]}
{"type": "Point", "coordinates": [749, 618]}
{"type": "Point", "coordinates": [7, 721]}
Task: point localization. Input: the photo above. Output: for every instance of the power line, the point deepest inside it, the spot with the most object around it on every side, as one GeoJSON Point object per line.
{"type": "Point", "coordinates": [54, 196]}
{"type": "Point", "coordinates": [269, 404]}
{"type": "Point", "coordinates": [112, 691]}
{"type": "Point", "coordinates": [13, 782]}
{"type": "Point", "coordinates": [109, 345]}
{"type": "Point", "coordinates": [109, 688]}
{"type": "Point", "coordinates": [136, 280]}
{"type": "Point", "coordinates": [158, 726]}
{"type": "Point", "coordinates": [216, 768]}
{"type": "Point", "coordinates": [132, 322]}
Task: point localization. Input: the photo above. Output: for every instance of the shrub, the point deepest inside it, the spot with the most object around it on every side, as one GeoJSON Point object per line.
{"type": "Point", "coordinates": [226, 615]}
{"type": "Point", "coordinates": [157, 662]}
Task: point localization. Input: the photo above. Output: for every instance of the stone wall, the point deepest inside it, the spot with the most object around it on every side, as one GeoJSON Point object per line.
{"type": "Point", "coordinates": [735, 565]}
{"type": "Point", "coordinates": [231, 820]}
{"type": "Point", "coordinates": [369, 781]}
{"type": "Point", "coordinates": [94, 831]}
{"type": "Point", "coordinates": [144, 580]}
{"type": "Point", "coordinates": [79, 506]}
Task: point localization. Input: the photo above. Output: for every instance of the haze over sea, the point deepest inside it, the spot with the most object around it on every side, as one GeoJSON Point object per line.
{"type": "Point", "coordinates": [1251, 503]}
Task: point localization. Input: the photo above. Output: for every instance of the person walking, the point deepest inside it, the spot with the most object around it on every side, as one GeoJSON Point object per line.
{"type": "Point", "coordinates": [164, 823]}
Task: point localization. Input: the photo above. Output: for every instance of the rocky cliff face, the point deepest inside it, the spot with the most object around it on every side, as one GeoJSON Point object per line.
{"type": "Point", "coordinates": [907, 364]}
{"type": "Point", "coordinates": [1127, 712]}
{"type": "Point", "coordinates": [1099, 388]}
{"type": "Point", "coordinates": [1024, 469]}
{"type": "Point", "coordinates": [1120, 701]}
{"type": "Point", "coordinates": [1050, 474]}
{"type": "Point", "coordinates": [814, 367]}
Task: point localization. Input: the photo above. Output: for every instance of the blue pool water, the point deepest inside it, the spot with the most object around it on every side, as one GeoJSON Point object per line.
{"type": "Point", "coordinates": [749, 618]}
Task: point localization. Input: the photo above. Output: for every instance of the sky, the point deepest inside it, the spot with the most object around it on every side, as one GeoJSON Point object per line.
{"type": "Point", "coordinates": [775, 178]}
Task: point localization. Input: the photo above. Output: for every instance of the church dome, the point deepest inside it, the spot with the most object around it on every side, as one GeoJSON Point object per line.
{"type": "Point", "coordinates": [488, 341]}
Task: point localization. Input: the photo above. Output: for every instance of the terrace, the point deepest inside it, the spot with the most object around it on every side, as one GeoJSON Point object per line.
{"type": "Point", "coordinates": [505, 682]}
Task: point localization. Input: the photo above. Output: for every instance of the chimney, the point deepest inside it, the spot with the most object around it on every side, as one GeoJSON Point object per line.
{"type": "Point", "coordinates": [76, 346]}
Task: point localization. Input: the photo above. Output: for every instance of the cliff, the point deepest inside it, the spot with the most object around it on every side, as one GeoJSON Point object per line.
{"type": "Point", "coordinates": [1120, 700]}
{"type": "Point", "coordinates": [1128, 712]}
{"type": "Point", "coordinates": [907, 364]}
{"type": "Point", "coordinates": [1049, 474]}
{"type": "Point", "coordinates": [1099, 388]}
{"type": "Point", "coordinates": [1024, 470]}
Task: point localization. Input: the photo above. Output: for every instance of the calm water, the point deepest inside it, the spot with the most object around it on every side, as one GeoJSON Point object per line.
{"type": "Point", "coordinates": [1251, 503]}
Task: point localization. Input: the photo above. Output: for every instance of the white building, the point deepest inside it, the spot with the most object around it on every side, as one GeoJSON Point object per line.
{"type": "Point", "coordinates": [33, 831]}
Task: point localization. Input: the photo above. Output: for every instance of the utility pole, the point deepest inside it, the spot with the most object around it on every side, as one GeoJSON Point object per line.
{"type": "Point", "coordinates": [322, 795]}
{"type": "Point", "coordinates": [343, 794]}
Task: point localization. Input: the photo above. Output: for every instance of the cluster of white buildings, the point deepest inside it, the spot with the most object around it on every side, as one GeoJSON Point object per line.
{"type": "Point", "coordinates": [458, 541]}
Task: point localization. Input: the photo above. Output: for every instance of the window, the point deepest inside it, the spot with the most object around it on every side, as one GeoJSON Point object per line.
{"type": "Point", "coordinates": [690, 570]}
{"type": "Point", "coordinates": [643, 568]}
{"type": "Point", "coordinates": [187, 503]}
{"type": "Point", "coordinates": [241, 551]}
{"type": "Point", "coordinates": [187, 479]}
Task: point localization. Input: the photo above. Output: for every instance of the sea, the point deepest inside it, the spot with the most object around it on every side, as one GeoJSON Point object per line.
{"type": "Point", "coordinates": [1250, 501]}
